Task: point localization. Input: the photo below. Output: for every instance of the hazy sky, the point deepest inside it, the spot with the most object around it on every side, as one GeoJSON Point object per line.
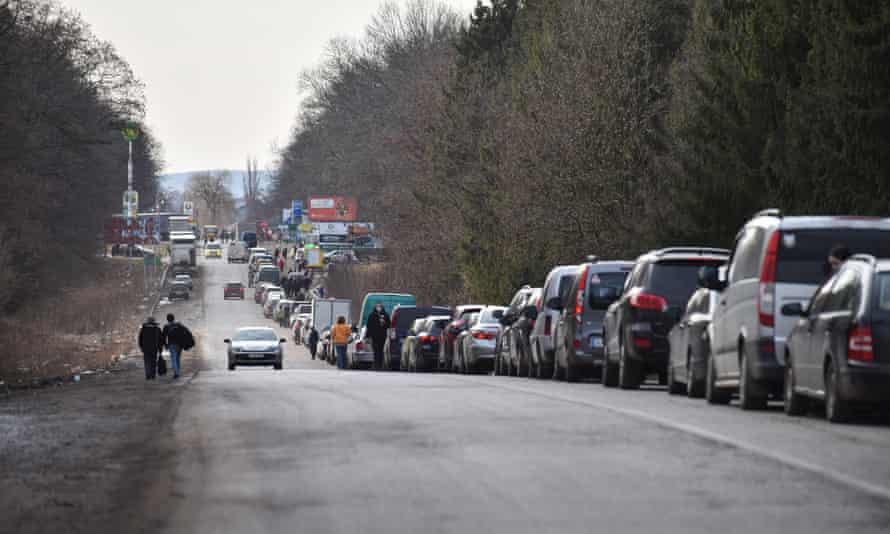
{"type": "Point", "coordinates": [221, 75]}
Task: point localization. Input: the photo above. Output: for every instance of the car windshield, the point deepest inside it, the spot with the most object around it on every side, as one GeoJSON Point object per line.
{"type": "Point", "coordinates": [436, 326]}
{"type": "Point", "coordinates": [603, 288]}
{"type": "Point", "coordinates": [803, 254]}
{"type": "Point", "coordinates": [236, 285]}
{"type": "Point", "coordinates": [676, 280]}
{"type": "Point", "coordinates": [491, 316]}
{"type": "Point", "coordinates": [255, 334]}
{"type": "Point", "coordinates": [565, 284]}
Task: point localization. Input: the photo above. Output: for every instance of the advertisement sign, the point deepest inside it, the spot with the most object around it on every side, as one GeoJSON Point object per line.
{"type": "Point", "coordinates": [285, 216]}
{"type": "Point", "coordinates": [131, 204]}
{"type": "Point", "coordinates": [188, 207]}
{"type": "Point", "coordinates": [330, 209]}
{"type": "Point", "coordinates": [305, 227]}
{"type": "Point", "coordinates": [314, 258]}
{"type": "Point", "coordinates": [331, 228]}
{"type": "Point", "coordinates": [297, 209]}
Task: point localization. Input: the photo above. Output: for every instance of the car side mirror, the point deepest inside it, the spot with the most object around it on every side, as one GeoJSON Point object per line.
{"type": "Point", "coordinates": [227, 340]}
{"type": "Point", "coordinates": [794, 309]}
{"type": "Point", "coordinates": [555, 304]}
{"type": "Point", "coordinates": [282, 340]}
{"type": "Point", "coordinates": [709, 277]}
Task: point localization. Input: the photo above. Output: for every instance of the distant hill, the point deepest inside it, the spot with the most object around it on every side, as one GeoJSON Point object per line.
{"type": "Point", "coordinates": [179, 181]}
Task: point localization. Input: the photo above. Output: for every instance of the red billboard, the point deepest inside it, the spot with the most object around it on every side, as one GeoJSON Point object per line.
{"type": "Point", "coordinates": [332, 209]}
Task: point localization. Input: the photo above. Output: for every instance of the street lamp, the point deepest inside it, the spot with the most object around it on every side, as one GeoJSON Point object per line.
{"type": "Point", "coordinates": [130, 132]}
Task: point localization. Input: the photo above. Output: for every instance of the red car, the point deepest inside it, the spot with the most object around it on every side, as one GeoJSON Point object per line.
{"type": "Point", "coordinates": [233, 290]}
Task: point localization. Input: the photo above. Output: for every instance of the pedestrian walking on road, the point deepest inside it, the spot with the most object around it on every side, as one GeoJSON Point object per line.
{"type": "Point", "coordinates": [151, 341]}
{"type": "Point", "coordinates": [313, 340]}
{"type": "Point", "coordinates": [340, 338]}
{"type": "Point", "coordinates": [177, 338]}
{"type": "Point", "coordinates": [378, 326]}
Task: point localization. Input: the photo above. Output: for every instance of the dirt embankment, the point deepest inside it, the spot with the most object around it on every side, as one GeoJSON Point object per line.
{"type": "Point", "coordinates": [78, 329]}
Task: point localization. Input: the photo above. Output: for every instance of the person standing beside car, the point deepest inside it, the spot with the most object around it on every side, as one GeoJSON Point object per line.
{"type": "Point", "coordinates": [151, 341]}
{"type": "Point", "coordinates": [340, 334]}
{"type": "Point", "coordinates": [378, 326]}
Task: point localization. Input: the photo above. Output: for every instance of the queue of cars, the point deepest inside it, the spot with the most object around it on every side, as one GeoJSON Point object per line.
{"type": "Point", "coordinates": [704, 321]}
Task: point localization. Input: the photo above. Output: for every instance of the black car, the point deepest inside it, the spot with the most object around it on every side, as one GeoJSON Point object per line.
{"type": "Point", "coordinates": [514, 319]}
{"type": "Point", "coordinates": [839, 350]}
{"type": "Point", "coordinates": [178, 290]}
{"type": "Point", "coordinates": [578, 340]}
{"type": "Point", "coordinates": [400, 322]}
{"type": "Point", "coordinates": [636, 326]}
{"type": "Point", "coordinates": [691, 346]}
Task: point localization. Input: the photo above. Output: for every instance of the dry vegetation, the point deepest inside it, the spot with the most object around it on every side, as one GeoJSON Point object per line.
{"type": "Point", "coordinates": [79, 328]}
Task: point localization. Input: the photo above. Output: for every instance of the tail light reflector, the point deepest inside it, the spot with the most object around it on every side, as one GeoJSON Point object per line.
{"type": "Point", "coordinates": [579, 297]}
{"type": "Point", "coordinates": [577, 343]}
{"type": "Point", "coordinates": [483, 335]}
{"type": "Point", "coordinates": [860, 345]}
{"type": "Point", "coordinates": [648, 301]}
{"type": "Point", "coordinates": [359, 345]}
{"type": "Point", "coordinates": [643, 342]}
{"type": "Point", "coordinates": [766, 296]}
{"type": "Point", "coordinates": [547, 322]}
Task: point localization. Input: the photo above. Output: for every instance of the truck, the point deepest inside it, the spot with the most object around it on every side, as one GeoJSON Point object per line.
{"type": "Point", "coordinates": [211, 232]}
{"type": "Point", "coordinates": [181, 223]}
{"type": "Point", "coordinates": [324, 315]}
{"type": "Point", "coordinates": [182, 251]}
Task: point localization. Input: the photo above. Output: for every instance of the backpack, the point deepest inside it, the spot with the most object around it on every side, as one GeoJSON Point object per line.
{"type": "Point", "coordinates": [188, 340]}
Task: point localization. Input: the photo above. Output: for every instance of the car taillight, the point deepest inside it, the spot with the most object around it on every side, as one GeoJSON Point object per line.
{"type": "Point", "coordinates": [648, 301]}
{"type": "Point", "coordinates": [359, 345]}
{"type": "Point", "coordinates": [577, 343]}
{"type": "Point", "coordinates": [579, 297]}
{"type": "Point", "coordinates": [643, 342]}
{"type": "Point", "coordinates": [766, 296]}
{"type": "Point", "coordinates": [547, 322]}
{"type": "Point", "coordinates": [483, 335]}
{"type": "Point", "coordinates": [860, 345]}
{"type": "Point", "coordinates": [428, 339]}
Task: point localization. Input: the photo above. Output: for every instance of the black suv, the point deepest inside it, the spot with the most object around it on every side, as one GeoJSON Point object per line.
{"type": "Point", "coordinates": [636, 326]}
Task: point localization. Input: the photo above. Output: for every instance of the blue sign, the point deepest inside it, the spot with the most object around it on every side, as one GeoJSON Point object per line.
{"type": "Point", "coordinates": [297, 209]}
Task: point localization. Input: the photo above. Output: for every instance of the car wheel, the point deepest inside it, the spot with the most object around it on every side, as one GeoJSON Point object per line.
{"type": "Point", "coordinates": [279, 366]}
{"type": "Point", "coordinates": [748, 397]}
{"type": "Point", "coordinates": [795, 404]}
{"type": "Point", "coordinates": [628, 372]}
{"type": "Point", "coordinates": [695, 389]}
{"type": "Point", "coordinates": [673, 387]}
{"type": "Point", "coordinates": [570, 373]}
{"type": "Point", "coordinates": [609, 376]}
{"type": "Point", "coordinates": [496, 369]}
{"type": "Point", "coordinates": [713, 394]}
{"type": "Point", "coordinates": [837, 410]}
{"type": "Point", "coordinates": [231, 366]}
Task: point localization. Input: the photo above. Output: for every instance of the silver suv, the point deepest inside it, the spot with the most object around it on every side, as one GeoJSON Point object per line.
{"type": "Point", "coordinates": [556, 288]}
{"type": "Point", "coordinates": [776, 260]}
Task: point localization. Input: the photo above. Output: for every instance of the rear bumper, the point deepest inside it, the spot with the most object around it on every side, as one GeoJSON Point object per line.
{"type": "Point", "coordinates": [363, 356]}
{"type": "Point", "coordinates": [765, 368]}
{"type": "Point", "coordinates": [865, 383]}
{"type": "Point", "coordinates": [591, 358]}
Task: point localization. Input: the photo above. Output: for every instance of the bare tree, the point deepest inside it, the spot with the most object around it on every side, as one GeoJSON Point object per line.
{"type": "Point", "coordinates": [212, 193]}
{"type": "Point", "coordinates": [253, 186]}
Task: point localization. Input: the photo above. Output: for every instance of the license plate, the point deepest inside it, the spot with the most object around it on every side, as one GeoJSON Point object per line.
{"type": "Point", "coordinates": [596, 342]}
{"type": "Point", "coordinates": [257, 356]}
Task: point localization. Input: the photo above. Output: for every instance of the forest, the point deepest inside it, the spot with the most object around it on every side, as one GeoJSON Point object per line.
{"type": "Point", "coordinates": [64, 97]}
{"type": "Point", "coordinates": [535, 133]}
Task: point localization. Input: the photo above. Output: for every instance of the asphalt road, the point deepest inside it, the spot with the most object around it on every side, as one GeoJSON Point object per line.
{"type": "Point", "coordinates": [313, 449]}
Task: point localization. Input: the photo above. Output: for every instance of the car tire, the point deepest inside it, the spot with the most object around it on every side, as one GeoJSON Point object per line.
{"type": "Point", "coordinates": [695, 389]}
{"type": "Point", "coordinates": [628, 370]}
{"type": "Point", "coordinates": [713, 394]}
{"type": "Point", "coordinates": [795, 403]}
{"type": "Point", "coordinates": [837, 410]}
{"type": "Point", "coordinates": [279, 366]}
{"type": "Point", "coordinates": [609, 375]}
{"type": "Point", "coordinates": [570, 373]}
{"type": "Point", "coordinates": [673, 387]}
{"type": "Point", "coordinates": [748, 397]}
{"type": "Point", "coordinates": [231, 366]}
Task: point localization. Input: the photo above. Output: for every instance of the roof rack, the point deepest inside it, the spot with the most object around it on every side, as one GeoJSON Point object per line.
{"type": "Point", "coordinates": [769, 212]}
{"type": "Point", "coordinates": [867, 258]}
{"type": "Point", "coordinates": [693, 250]}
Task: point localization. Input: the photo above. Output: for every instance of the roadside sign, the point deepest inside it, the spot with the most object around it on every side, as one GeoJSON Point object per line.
{"type": "Point", "coordinates": [297, 209]}
{"type": "Point", "coordinates": [131, 204]}
{"type": "Point", "coordinates": [314, 258]}
{"type": "Point", "coordinates": [305, 227]}
{"type": "Point", "coordinates": [188, 207]}
{"type": "Point", "coordinates": [285, 215]}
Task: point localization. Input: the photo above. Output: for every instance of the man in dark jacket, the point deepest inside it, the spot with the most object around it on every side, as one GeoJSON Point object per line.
{"type": "Point", "coordinates": [151, 341]}
{"type": "Point", "coordinates": [176, 338]}
{"type": "Point", "coordinates": [378, 325]}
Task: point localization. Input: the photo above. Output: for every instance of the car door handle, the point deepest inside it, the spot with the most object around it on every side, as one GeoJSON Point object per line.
{"type": "Point", "coordinates": [723, 302]}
